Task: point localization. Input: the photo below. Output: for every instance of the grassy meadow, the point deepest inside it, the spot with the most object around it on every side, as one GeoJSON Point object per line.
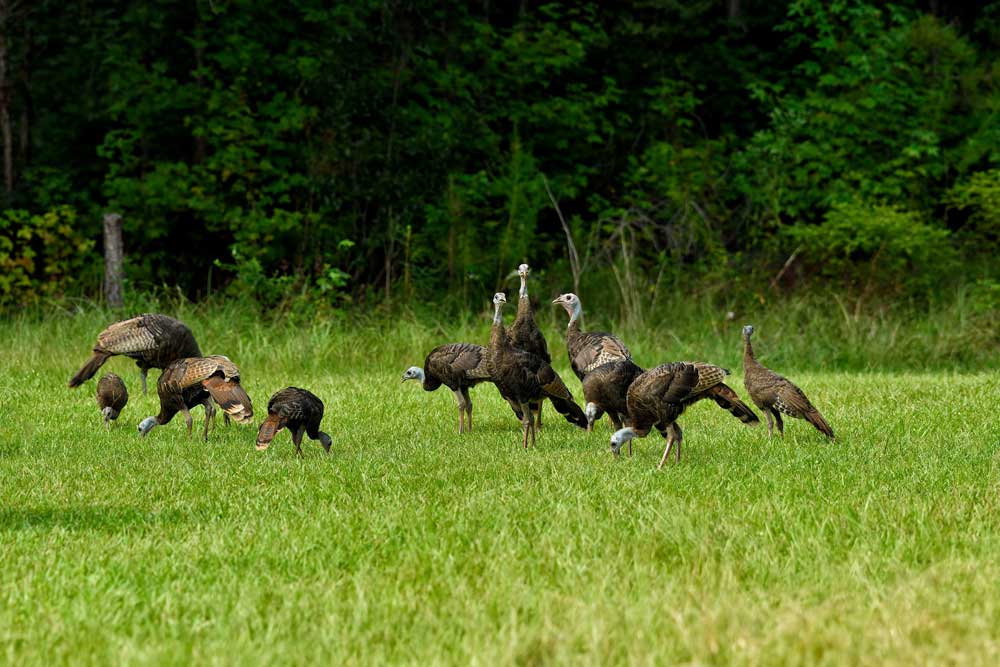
{"type": "Point", "coordinates": [411, 544]}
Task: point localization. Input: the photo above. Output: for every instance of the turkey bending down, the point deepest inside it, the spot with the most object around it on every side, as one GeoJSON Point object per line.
{"type": "Point", "coordinates": [774, 394]}
{"type": "Point", "coordinates": [457, 366]}
{"type": "Point", "coordinates": [198, 380]}
{"type": "Point", "coordinates": [154, 341]}
{"type": "Point", "coordinates": [298, 410]}
{"type": "Point", "coordinates": [525, 334]}
{"type": "Point", "coordinates": [590, 350]}
{"type": "Point", "coordinates": [605, 389]}
{"type": "Point", "coordinates": [659, 396]}
{"type": "Point", "coordinates": [112, 396]}
{"type": "Point", "coordinates": [526, 378]}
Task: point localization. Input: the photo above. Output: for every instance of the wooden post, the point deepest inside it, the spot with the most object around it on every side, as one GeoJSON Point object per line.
{"type": "Point", "coordinates": [114, 255]}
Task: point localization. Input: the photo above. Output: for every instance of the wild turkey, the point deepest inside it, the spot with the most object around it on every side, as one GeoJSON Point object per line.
{"type": "Point", "coordinates": [198, 380]}
{"type": "Point", "coordinates": [112, 396]}
{"type": "Point", "coordinates": [457, 366]}
{"type": "Point", "coordinates": [153, 340]}
{"type": "Point", "coordinates": [525, 334]}
{"type": "Point", "coordinates": [659, 396]}
{"type": "Point", "coordinates": [775, 394]}
{"type": "Point", "coordinates": [298, 410]}
{"type": "Point", "coordinates": [527, 378]}
{"type": "Point", "coordinates": [605, 389]}
{"type": "Point", "coordinates": [590, 350]}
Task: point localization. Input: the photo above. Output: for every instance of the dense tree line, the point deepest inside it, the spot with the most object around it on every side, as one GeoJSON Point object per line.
{"type": "Point", "coordinates": [371, 148]}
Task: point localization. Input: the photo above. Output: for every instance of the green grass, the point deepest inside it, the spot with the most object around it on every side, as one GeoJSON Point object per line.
{"type": "Point", "coordinates": [411, 544]}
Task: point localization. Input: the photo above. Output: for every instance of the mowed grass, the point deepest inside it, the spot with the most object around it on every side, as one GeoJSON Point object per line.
{"type": "Point", "coordinates": [412, 544]}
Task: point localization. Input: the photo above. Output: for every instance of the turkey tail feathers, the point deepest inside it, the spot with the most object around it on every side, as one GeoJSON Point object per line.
{"type": "Point", "coordinates": [816, 419]}
{"type": "Point", "coordinates": [231, 397]}
{"type": "Point", "coordinates": [570, 410]}
{"type": "Point", "coordinates": [727, 399]}
{"type": "Point", "coordinates": [268, 430]}
{"type": "Point", "coordinates": [89, 368]}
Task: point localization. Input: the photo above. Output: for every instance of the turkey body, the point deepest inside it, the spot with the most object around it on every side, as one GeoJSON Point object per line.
{"type": "Point", "coordinates": [605, 390]}
{"type": "Point", "coordinates": [588, 350]}
{"type": "Point", "coordinates": [298, 410]}
{"type": "Point", "coordinates": [527, 378]}
{"type": "Point", "coordinates": [458, 366]}
{"type": "Point", "coordinates": [657, 397]}
{"type": "Point", "coordinates": [199, 380]}
{"type": "Point", "coordinates": [112, 397]}
{"type": "Point", "coordinates": [776, 395]}
{"type": "Point", "coordinates": [526, 335]}
{"type": "Point", "coordinates": [153, 340]}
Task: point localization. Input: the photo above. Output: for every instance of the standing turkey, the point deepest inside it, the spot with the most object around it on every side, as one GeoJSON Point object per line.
{"type": "Point", "coordinates": [605, 389]}
{"type": "Point", "coordinates": [198, 380]}
{"type": "Point", "coordinates": [153, 340]}
{"type": "Point", "coordinates": [774, 394]}
{"type": "Point", "coordinates": [588, 350]}
{"type": "Point", "coordinates": [659, 396]}
{"type": "Point", "coordinates": [457, 366]}
{"type": "Point", "coordinates": [525, 334]}
{"type": "Point", "coordinates": [112, 396]}
{"type": "Point", "coordinates": [527, 378]}
{"type": "Point", "coordinates": [298, 410]}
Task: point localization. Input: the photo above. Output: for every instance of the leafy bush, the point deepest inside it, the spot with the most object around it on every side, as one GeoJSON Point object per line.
{"type": "Point", "coordinates": [42, 255]}
{"type": "Point", "coordinates": [864, 245]}
{"type": "Point", "coordinates": [979, 195]}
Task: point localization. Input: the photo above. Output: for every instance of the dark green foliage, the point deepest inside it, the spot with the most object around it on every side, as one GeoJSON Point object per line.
{"type": "Point", "coordinates": [244, 141]}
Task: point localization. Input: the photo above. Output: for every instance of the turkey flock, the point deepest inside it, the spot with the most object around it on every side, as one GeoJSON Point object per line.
{"type": "Point", "coordinates": [516, 361]}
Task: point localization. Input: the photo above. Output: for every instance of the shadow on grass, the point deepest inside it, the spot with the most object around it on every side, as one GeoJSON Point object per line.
{"type": "Point", "coordinates": [96, 518]}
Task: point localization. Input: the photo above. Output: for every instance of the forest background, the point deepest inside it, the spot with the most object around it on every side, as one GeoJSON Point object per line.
{"type": "Point", "coordinates": [319, 159]}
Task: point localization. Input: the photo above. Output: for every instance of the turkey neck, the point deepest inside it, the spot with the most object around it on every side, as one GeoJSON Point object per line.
{"type": "Point", "coordinates": [749, 360]}
{"type": "Point", "coordinates": [498, 336]}
{"type": "Point", "coordinates": [573, 329]}
{"type": "Point", "coordinates": [524, 312]}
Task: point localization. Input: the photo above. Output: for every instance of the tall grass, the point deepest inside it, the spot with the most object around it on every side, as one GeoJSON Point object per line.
{"type": "Point", "coordinates": [816, 331]}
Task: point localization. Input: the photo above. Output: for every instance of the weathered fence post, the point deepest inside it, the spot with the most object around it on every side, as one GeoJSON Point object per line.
{"type": "Point", "coordinates": [113, 258]}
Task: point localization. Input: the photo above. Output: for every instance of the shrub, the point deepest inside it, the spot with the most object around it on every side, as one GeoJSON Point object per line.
{"type": "Point", "coordinates": [861, 245]}
{"type": "Point", "coordinates": [43, 255]}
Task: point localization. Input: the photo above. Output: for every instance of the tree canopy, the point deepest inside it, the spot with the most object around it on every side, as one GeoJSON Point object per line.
{"type": "Point", "coordinates": [370, 148]}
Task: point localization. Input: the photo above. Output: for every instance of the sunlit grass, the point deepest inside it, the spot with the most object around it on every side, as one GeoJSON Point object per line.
{"type": "Point", "coordinates": [411, 544]}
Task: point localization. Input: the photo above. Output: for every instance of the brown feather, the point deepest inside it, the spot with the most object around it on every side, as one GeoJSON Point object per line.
{"type": "Point", "coordinates": [269, 429]}
{"type": "Point", "coordinates": [231, 397]}
{"type": "Point", "coordinates": [774, 393]}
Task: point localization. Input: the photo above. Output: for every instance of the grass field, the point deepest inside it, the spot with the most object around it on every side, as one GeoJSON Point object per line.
{"type": "Point", "coordinates": [411, 544]}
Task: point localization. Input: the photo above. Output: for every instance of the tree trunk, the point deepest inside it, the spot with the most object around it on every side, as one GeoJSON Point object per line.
{"type": "Point", "coordinates": [5, 127]}
{"type": "Point", "coordinates": [24, 126]}
{"type": "Point", "coordinates": [114, 255]}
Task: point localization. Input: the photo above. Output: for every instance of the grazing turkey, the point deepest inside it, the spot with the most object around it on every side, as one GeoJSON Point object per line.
{"type": "Point", "coordinates": [154, 341]}
{"type": "Point", "coordinates": [457, 366]}
{"type": "Point", "coordinates": [527, 378]}
{"type": "Point", "coordinates": [298, 410]}
{"type": "Point", "coordinates": [590, 350]}
{"type": "Point", "coordinates": [659, 396]}
{"type": "Point", "coordinates": [605, 389]}
{"type": "Point", "coordinates": [198, 380]}
{"type": "Point", "coordinates": [525, 334]}
{"type": "Point", "coordinates": [112, 396]}
{"type": "Point", "coordinates": [775, 394]}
